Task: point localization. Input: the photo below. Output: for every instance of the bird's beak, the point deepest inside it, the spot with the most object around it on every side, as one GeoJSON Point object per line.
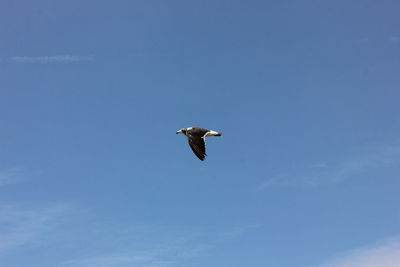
{"type": "Point", "coordinates": [178, 132]}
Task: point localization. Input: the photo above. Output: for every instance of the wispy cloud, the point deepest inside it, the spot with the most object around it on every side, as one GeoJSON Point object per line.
{"type": "Point", "coordinates": [395, 39]}
{"type": "Point", "coordinates": [158, 246]}
{"type": "Point", "coordinates": [153, 246]}
{"type": "Point", "coordinates": [160, 255]}
{"type": "Point", "coordinates": [383, 254]}
{"type": "Point", "coordinates": [149, 258]}
{"type": "Point", "coordinates": [352, 166]}
{"type": "Point", "coordinates": [145, 259]}
{"type": "Point", "coordinates": [11, 176]}
{"type": "Point", "coordinates": [20, 227]}
{"type": "Point", "coordinates": [320, 165]}
{"type": "Point", "coordinates": [112, 243]}
{"type": "Point", "coordinates": [50, 59]}
{"type": "Point", "coordinates": [364, 40]}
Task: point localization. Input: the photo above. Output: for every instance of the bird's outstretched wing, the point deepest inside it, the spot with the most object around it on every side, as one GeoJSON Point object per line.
{"type": "Point", "coordinates": [198, 146]}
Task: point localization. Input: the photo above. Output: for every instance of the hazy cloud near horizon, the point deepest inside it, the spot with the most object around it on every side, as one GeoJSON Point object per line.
{"type": "Point", "coordinates": [50, 59]}
{"type": "Point", "coordinates": [385, 253]}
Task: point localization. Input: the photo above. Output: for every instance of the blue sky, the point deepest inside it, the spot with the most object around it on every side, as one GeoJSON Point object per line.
{"type": "Point", "coordinates": [306, 94]}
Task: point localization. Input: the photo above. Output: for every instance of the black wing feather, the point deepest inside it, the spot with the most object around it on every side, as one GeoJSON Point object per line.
{"type": "Point", "coordinates": [198, 146]}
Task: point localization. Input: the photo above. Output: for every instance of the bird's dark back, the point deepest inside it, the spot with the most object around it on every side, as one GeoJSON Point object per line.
{"type": "Point", "coordinates": [197, 131]}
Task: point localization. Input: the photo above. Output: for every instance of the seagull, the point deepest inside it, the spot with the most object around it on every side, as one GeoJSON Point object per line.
{"type": "Point", "coordinates": [196, 137]}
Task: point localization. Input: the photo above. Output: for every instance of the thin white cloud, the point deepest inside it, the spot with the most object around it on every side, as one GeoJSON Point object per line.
{"type": "Point", "coordinates": [50, 59]}
{"type": "Point", "coordinates": [395, 39]}
{"type": "Point", "coordinates": [113, 244]}
{"type": "Point", "coordinates": [157, 246]}
{"type": "Point", "coordinates": [384, 254]}
{"type": "Point", "coordinates": [364, 40]}
{"type": "Point", "coordinates": [281, 179]}
{"type": "Point", "coordinates": [237, 232]}
{"type": "Point", "coordinates": [132, 259]}
{"type": "Point", "coordinates": [318, 165]}
{"type": "Point", "coordinates": [144, 246]}
{"type": "Point", "coordinates": [374, 158]}
{"type": "Point", "coordinates": [354, 166]}
{"type": "Point", "coordinates": [11, 176]}
{"type": "Point", "coordinates": [20, 227]}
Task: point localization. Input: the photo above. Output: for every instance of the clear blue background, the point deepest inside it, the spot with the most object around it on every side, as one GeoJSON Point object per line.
{"type": "Point", "coordinates": [306, 94]}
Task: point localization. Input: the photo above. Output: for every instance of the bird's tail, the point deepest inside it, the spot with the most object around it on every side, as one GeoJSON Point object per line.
{"type": "Point", "coordinates": [213, 133]}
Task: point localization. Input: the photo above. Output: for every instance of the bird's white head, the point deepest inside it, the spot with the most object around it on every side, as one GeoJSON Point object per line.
{"type": "Point", "coordinates": [182, 131]}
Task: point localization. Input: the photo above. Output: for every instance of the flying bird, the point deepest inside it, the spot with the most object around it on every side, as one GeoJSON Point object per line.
{"type": "Point", "coordinates": [196, 137]}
